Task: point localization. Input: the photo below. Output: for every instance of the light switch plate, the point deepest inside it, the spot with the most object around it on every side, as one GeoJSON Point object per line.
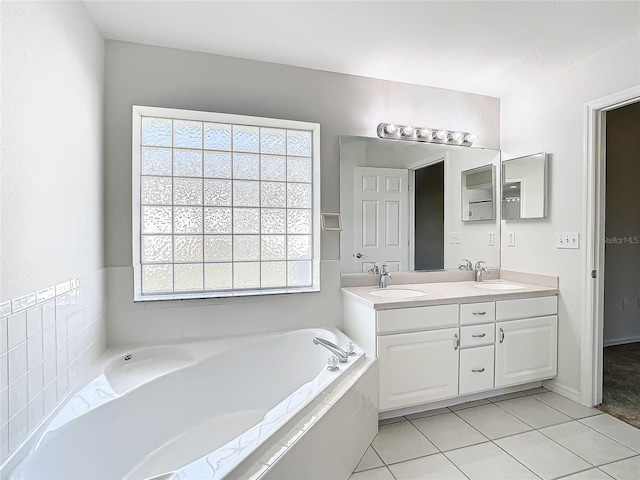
{"type": "Point", "coordinates": [511, 239]}
{"type": "Point", "coordinates": [568, 240]}
{"type": "Point", "coordinates": [491, 239]}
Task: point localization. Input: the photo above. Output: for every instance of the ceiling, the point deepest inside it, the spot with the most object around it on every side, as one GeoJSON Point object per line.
{"type": "Point", "coordinates": [474, 46]}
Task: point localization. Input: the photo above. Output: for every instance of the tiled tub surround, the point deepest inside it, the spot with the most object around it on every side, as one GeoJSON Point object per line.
{"type": "Point", "coordinates": [48, 341]}
{"type": "Point", "coordinates": [285, 401]}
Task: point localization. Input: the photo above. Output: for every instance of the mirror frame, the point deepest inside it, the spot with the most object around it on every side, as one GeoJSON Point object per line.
{"type": "Point", "coordinates": [545, 187]}
{"type": "Point", "coordinates": [493, 192]}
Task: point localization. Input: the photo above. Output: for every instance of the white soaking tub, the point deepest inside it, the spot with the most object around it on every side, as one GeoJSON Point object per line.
{"type": "Point", "coordinates": [188, 410]}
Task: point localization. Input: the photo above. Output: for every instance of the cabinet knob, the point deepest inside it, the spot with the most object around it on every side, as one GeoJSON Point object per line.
{"type": "Point", "coordinates": [456, 341]}
{"type": "Point", "coordinates": [479, 313]}
{"type": "Point", "coordinates": [501, 335]}
{"type": "Point", "coordinates": [479, 336]}
{"type": "Point", "coordinates": [477, 370]}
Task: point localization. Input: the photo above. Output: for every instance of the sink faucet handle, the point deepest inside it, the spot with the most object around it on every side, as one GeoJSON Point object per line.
{"type": "Point", "coordinates": [384, 270]}
{"type": "Point", "coordinates": [375, 269]}
{"type": "Point", "coordinates": [467, 265]}
{"type": "Point", "coordinates": [350, 349]}
{"type": "Point", "coordinates": [479, 264]}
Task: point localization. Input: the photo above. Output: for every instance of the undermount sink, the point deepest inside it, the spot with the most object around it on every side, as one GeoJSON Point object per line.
{"type": "Point", "coordinates": [498, 286]}
{"type": "Point", "coordinates": [396, 293]}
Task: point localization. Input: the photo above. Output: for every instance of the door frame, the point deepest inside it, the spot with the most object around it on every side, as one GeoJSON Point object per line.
{"type": "Point", "coordinates": [593, 256]}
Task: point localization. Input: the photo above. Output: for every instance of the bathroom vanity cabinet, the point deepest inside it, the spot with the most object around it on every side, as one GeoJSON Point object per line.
{"type": "Point", "coordinates": [437, 352]}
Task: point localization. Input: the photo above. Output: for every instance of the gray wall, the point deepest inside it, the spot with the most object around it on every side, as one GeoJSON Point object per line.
{"type": "Point", "coordinates": [342, 104]}
{"type": "Point", "coordinates": [622, 260]}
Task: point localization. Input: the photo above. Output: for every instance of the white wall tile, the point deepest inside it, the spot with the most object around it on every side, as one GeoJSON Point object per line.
{"type": "Point", "coordinates": [49, 341]}
{"type": "Point", "coordinates": [17, 327]}
{"type": "Point", "coordinates": [4, 443]}
{"type": "Point", "coordinates": [50, 398]}
{"type": "Point", "coordinates": [48, 314]}
{"type": "Point", "coordinates": [3, 336]}
{"type": "Point", "coordinates": [4, 406]}
{"type": "Point", "coordinates": [5, 309]}
{"type": "Point", "coordinates": [62, 385]}
{"type": "Point", "coordinates": [61, 359]}
{"type": "Point", "coordinates": [61, 332]}
{"type": "Point", "coordinates": [18, 428]}
{"type": "Point", "coordinates": [34, 351]}
{"type": "Point", "coordinates": [34, 321]}
{"type": "Point", "coordinates": [35, 381]}
{"type": "Point", "coordinates": [36, 411]}
{"type": "Point", "coordinates": [18, 396]}
{"type": "Point", "coordinates": [17, 362]}
{"type": "Point", "coordinates": [4, 371]}
{"type": "Point", "coordinates": [49, 369]}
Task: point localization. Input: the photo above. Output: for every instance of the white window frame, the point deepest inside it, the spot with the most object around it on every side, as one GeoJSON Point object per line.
{"type": "Point", "coordinates": [178, 114]}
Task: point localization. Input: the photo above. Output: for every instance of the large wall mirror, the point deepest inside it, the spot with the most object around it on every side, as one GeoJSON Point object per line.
{"type": "Point", "coordinates": [401, 205]}
{"type": "Point", "coordinates": [524, 187]}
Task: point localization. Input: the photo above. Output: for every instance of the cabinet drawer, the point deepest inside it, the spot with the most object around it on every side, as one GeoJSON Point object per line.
{"type": "Point", "coordinates": [476, 335]}
{"type": "Point", "coordinates": [477, 313]}
{"type": "Point", "coordinates": [526, 308]}
{"type": "Point", "coordinates": [476, 369]}
{"type": "Point", "coordinates": [416, 318]}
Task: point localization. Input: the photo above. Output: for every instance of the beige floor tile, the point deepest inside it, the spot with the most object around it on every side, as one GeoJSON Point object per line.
{"type": "Point", "coordinates": [566, 406]}
{"type": "Point", "coordinates": [369, 460]}
{"type": "Point", "coordinates": [436, 467]}
{"type": "Point", "coordinates": [628, 469]}
{"type": "Point", "coordinates": [401, 441]}
{"type": "Point", "coordinates": [448, 431]}
{"type": "Point", "coordinates": [532, 412]}
{"type": "Point", "coordinates": [492, 422]}
{"type": "Point", "coordinates": [382, 473]}
{"type": "Point", "coordinates": [594, 447]}
{"type": "Point", "coordinates": [592, 474]}
{"type": "Point", "coordinates": [488, 462]}
{"type": "Point", "coordinates": [613, 428]}
{"type": "Point", "coordinates": [542, 456]}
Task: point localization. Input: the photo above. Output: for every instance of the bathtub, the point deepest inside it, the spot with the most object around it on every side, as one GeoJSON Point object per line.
{"type": "Point", "coordinates": [224, 408]}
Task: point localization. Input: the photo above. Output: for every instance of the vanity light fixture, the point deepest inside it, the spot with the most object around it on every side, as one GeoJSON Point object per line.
{"type": "Point", "coordinates": [425, 134]}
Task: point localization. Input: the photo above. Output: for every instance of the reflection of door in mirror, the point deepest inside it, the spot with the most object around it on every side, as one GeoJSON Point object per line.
{"type": "Point", "coordinates": [429, 217]}
{"type": "Point", "coordinates": [381, 207]}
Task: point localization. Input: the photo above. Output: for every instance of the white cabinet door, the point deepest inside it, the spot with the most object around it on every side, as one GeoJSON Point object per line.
{"type": "Point", "coordinates": [419, 367]}
{"type": "Point", "coordinates": [526, 350]}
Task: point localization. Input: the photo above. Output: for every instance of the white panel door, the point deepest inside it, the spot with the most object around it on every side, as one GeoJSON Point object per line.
{"type": "Point", "coordinates": [381, 217]}
{"type": "Point", "coordinates": [416, 368]}
{"type": "Point", "coordinates": [526, 350]}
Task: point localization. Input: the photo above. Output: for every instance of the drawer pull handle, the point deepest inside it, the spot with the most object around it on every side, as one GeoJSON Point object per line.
{"type": "Point", "coordinates": [477, 370]}
{"type": "Point", "coordinates": [501, 335]}
{"type": "Point", "coordinates": [456, 341]}
{"type": "Point", "coordinates": [479, 313]}
{"type": "Point", "coordinates": [479, 336]}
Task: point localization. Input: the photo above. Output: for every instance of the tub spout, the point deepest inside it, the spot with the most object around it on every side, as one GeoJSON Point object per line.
{"type": "Point", "coordinates": [333, 348]}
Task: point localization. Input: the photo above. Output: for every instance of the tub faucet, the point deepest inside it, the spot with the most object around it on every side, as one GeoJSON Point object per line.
{"type": "Point", "coordinates": [466, 265]}
{"type": "Point", "coordinates": [384, 276]}
{"type": "Point", "coordinates": [480, 270]}
{"type": "Point", "coordinates": [333, 348]}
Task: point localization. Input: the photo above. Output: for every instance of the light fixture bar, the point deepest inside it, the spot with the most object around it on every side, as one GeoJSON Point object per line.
{"type": "Point", "coordinates": [425, 134]}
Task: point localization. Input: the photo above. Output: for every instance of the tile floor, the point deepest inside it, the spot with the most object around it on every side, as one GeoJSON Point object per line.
{"type": "Point", "coordinates": [524, 435]}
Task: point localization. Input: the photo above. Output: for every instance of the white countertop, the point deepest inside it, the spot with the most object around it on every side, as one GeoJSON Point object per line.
{"type": "Point", "coordinates": [439, 293]}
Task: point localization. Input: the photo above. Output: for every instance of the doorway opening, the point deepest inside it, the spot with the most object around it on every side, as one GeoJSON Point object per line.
{"type": "Point", "coordinates": [428, 208]}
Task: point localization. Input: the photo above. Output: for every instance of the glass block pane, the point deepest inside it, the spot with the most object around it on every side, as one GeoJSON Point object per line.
{"type": "Point", "coordinates": [157, 278]}
{"type": "Point", "coordinates": [187, 163]}
{"type": "Point", "coordinates": [218, 276]}
{"type": "Point", "coordinates": [217, 192]}
{"type": "Point", "coordinates": [246, 220]}
{"type": "Point", "coordinates": [298, 169]}
{"type": "Point", "coordinates": [246, 139]}
{"type": "Point", "coordinates": [299, 247]}
{"type": "Point", "coordinates": [187, 191]}
{"type": "Point", "coordinates": [187, 248]}
{"type": "Point", "coordinates": [246, 194]}
{"type": "Point", "coordinates": [299, 221]}
{"type": "Point", "coordinates": [156, 191]}
{"type": "Point", "coordinates": [273, 221]}
{"type": "Point", "coordinates": [246, 247]}
{"type": "Point", "coordinates": [274, 194]}
{"type": "Point", "coordinates": [217, 164]}
{"type": "Point", "coordinates": [156, 248]}
{"type": "Point", "coordinates": [156, 161]}
{"type": "Point", "coordinates": [298, 274]}
{"type": "Point", "coordinates": [299, 195]}
{"type": "Point", "coordinates": [187, 134]}
{"type": "Point", "coordinates": [217, 220]}
{"type": "Point", "coordinates": [217, 136]}
{"type": "Point", "coordinates": [156, 219]}
{"type": "Point", "coordinates": [273, 168]}
{"type": "Point", "coordinates": [217, 248]}
{"type": "Point", "coordinates": [246, 166]}
{"type": "Point", "coordinates": [246, 275]}
{"type": "Point", "coordinates": [187, 219]}
{"type": "Point", "coordinates": [273, 141]}
{"type": "Point", "coordinates": [156, 132]}
{"type": "Point", "coordinates": [299, 143]}
{"type": "Point", "coordinates": [274, 274]}
{"type": "Point", "coordinates": [188, 277]}
{"type": "Point", "coordinates": [273, 247]}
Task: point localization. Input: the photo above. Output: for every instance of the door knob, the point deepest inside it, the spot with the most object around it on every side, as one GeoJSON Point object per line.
{"type": "Point", "coordinates": [359, 255]}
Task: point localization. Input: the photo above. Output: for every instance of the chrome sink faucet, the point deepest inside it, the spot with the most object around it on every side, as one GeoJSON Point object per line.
{"type": "Point", "coordinates": [333, 348]}
{"type": "Point", "coordinates": [384, 276]}
{"type": "Point", "coordinates": [480, 270]}
{"type": "Point", "coordinates": [467, 265]}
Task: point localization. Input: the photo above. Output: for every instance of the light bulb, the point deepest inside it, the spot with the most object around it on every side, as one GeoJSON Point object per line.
{"type": "Point", "coordinates": [424, 133]}
{"type": "Point", "coordinates": [458, 137]}
{"type": "Point", "coordinates": [408, 131]}
{"type": "Point", "coordinates": [441, 135]}
{"type": "Point", "coordinates": [391, 129]}
{"type": "Point", "coordinates": [469, 138]}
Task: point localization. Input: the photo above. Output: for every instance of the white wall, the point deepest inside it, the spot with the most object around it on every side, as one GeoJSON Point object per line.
{"type": "Point", "coordinates": [342, 104]}
{"type": "Point", "coordinates": [52, 311]}
{"type": "Point", "coordinates": [51, 171]}
{"type": "Point", "coordinates": [547, 115]}
{"type": "Point", "coordinates": [622, 256]}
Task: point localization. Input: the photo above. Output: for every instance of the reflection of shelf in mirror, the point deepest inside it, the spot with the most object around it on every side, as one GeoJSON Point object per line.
{"type": "Point", "coordinates": [481, 210]}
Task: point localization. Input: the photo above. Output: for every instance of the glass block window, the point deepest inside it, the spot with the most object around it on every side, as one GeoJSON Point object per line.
{"type": "Point", "coordinates": [224, 204]}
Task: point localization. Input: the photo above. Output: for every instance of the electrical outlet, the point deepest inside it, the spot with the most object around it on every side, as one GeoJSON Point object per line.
{"type": "Point", "coordinates": [491, 241]}
{"type": "Point", "coordinates": [511, 239]}
{"type": "Point", "coordinates": [569, 240]}
{"type": "Point", "coordinates": [454, 237]}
